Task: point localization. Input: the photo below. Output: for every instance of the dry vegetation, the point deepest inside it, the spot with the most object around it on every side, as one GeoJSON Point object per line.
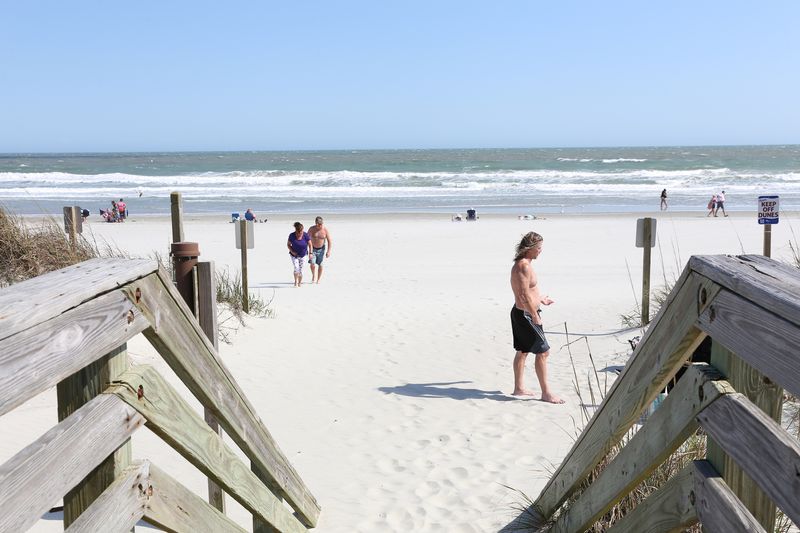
{"type": "Point", "coordinates": [30, 250]}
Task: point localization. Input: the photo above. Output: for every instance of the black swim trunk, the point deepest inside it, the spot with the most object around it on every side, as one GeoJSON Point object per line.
{"type": "Point", "coordinates": [528, 337]}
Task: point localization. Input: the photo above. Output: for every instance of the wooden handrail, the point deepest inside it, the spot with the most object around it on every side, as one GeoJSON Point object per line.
{"type": "Point", "coordinates": [748, 304]}
{"type": "Point", "coordinates": [57, 325]}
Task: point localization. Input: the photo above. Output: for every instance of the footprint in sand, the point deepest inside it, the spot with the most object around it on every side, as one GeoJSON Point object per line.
{"type": "Point", "coordinates": [460, 472]}
{"type": "Point", "coordinates": [427, 489]}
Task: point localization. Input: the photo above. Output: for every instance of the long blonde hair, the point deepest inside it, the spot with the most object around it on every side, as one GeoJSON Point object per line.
{"type": "Point", "coordinates": [529, 241]}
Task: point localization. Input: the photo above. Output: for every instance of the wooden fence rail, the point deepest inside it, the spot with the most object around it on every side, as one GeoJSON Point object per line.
{"type": "Point", "coordinates": [750, 307]}
{"type": "Point", "coordinates": [65, 328]}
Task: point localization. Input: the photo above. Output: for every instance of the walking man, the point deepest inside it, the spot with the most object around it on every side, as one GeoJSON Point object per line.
{"type": "Point", "coordinates": [721, 204]}
{"type": "Point", "coordinates": [526, 322]}
{"type": "Point", "coordinates": [321, 244]}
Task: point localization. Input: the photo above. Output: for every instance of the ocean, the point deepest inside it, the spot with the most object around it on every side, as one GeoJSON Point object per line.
{"type": "Point", "coordinates": [517, 181]}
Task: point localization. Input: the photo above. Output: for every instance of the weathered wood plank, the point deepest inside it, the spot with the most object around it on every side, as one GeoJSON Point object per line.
{"type": "Point", "coordinates": [38, 476]}
{"type": "Point", "coordinates": [184, 346]}
{"type": "Point", "coordinates": [37, 300]}
{"type": "Point", "coordinates": [670, 508]}
{"type": "Point", "coordinates": [666, 429]}
{"type": "Point", "coordinates": [760, 446]}
{"type": "Point", "coordinates": [669, 342]}
{"type": "Point", "coordinates": [39, 357]}
{"type": "Point", "coordinates": [73, 392]}
{"type": "Point", "coordinates": [120, 506]}
{"type": "Point", "coordinates": [717, 506]}
{"type": "Point", "coordinates": [763, 339]}
{"type": "Point", "coordinates": [171, 418]}
{"type": "Point", "coordinates": [206, 291]}
{"type": "Point", "coordinates": [174, 508]}
{"type": "Point", "coordinates": [763, 281]}
{"type": "Point", "coordinates": [769, 398]}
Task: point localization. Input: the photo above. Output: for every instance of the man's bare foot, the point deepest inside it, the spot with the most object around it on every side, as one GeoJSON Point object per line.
{"type": "Point", "coordinates": [551, 398]}
{"type": "Point", "coordinates": [523, 392]}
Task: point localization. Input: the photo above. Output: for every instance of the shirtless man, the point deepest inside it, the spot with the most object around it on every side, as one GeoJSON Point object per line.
{"type": "Point", "coordinates": [526, 324]}
{"type": "Point", "coordinates": [319, 233]}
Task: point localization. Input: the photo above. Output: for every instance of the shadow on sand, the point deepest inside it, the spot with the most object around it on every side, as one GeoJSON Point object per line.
{"type": "Point", "coordinates": [442, 390]}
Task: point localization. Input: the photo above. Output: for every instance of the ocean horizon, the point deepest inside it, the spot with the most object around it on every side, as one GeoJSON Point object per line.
{"type": "Point", "coordinates": [509, 180]}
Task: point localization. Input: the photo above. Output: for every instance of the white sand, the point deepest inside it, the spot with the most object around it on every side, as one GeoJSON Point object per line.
{"type": "Point", "coordinates": [387, 384]}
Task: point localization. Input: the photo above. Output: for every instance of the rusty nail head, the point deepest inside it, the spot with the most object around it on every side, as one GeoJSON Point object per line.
{"type": "Point", "coordinates": [138, 294]}
{"type": "Point", "coordinates": [712, 314]}
{"type": "Point", "coordinates": [701, 393]}
{"type": "Point", "coordinates": [703, 296]}
{"type": "Point", "coordinates": [691, 497]}
{"type": "Point", "coordinates": [140, 392]}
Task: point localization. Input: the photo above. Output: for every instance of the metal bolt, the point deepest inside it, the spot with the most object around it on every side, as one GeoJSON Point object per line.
{"type": "Point", "coordinates": [140, 392]}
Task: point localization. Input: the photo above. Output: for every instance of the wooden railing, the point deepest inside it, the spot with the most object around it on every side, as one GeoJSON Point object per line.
{"type": "Point", "coordinates": [750, 307]}
{"type": "Point", "coordinates": [69, 328]}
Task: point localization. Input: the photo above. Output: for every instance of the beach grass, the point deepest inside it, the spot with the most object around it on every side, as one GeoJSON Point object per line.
{"type": "Point", "coordinates": [27, 251]}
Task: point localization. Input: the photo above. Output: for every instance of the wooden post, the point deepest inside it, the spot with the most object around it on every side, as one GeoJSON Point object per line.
{"type": "Point", "coordinates": [648, 235]}
{"type": "Point", "coordinates": [206, 291]}
{"type": "Point", "coordinates": [245, 290]}
{"type": "Point", "coordinates": [767, 239]}
{"type": "Point", "coordinates": [71, 224]}
{"type": "Point", "coordinates": [769, 398]}
{"type": "Point", "coordinates": [177, 216]}
{"type": "Point", "coordinates": [72, 393]}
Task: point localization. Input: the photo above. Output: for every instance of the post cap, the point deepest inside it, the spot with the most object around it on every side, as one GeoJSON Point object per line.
{"type": "Point", "coordinates": [185, 249]}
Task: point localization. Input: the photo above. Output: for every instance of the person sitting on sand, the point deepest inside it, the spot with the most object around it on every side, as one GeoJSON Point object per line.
{"type": "Point", "coordinates": [250, 216]}
{"type": "Point", "coordinates": [299, 244]}
{"type": "Point", "coordinates": [526, 322]}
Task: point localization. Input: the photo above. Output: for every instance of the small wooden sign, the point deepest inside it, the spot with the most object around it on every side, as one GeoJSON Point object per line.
{"type": "Point", "coordinates": [640, 232]}
{"type": "Point", "coordinates": [250, 233]}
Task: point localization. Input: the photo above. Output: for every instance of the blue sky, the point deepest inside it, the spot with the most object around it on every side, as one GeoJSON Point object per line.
{"type": "Point", "coordinates": [141, 76]}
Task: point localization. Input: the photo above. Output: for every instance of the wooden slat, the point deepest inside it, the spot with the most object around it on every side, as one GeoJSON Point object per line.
{"type": "Point", "coordinates": [760, 446]}
{"type": "Point", "coordinates": [668, 509]}
{"type": "Point", "coordinates": [37, 477]}
{"type": "Point", "coordinates": [206, 291]}
{"type": "Point", "coordinates": [768, 397]}
{"type": "Point", "coordinates": [120, 506]}
{"type": "Point", "coordinates": [74, 392]}
{"type": "Point", "coordinates": [669, 341]}
{"type": "Point", "coordinates": [184, 346]}
{"type": "Point", "coordinates": [39, 357]}
{"type": "Point", "coordinates": [763, 281]}
{"type": "Point", "coordinates": [717, 506]}
{"type": "Point", "coordinates": [172, 419]}
{"type": "Point", "coordinates": [765, 340]}
{"type": "Point", "coordinates": [666, 429]}
{"type": "Point", "coordinates": [172, 507]}
{"type": "Point", "coordinates": [37, 300]}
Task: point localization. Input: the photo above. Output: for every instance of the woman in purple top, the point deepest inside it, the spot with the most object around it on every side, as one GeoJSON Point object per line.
{"type": "Point", "coordinates": [299, 244]}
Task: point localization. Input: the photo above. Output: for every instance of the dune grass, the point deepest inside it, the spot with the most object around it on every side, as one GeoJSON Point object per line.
{"type": "Point", "coordinates": [30, 250]}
